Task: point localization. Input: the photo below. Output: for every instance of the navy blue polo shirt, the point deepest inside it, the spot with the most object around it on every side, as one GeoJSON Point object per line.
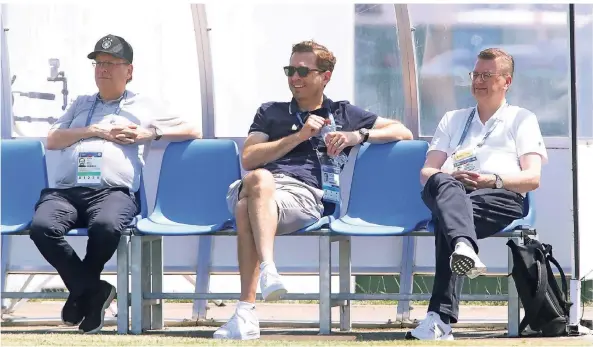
{"type": "Point", "coordinates": [279, 119]}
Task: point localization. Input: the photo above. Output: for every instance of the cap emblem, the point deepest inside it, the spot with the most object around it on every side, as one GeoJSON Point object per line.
{"type": "Point", "coordinates": [106, 43]}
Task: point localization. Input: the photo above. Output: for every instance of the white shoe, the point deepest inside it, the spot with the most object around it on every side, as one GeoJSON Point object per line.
{"type": "Point", "coordinates": [465, 262]}
{"type": "Point", "coordinates": [431, 328]}
{"type": "Point", "coordinates": [243, 325]}
{"type": "Point", "coordinates": [270, 282]}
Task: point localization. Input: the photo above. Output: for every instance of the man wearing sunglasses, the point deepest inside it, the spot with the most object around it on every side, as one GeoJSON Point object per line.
{"type": "Point", "coordinates": [103, 141]}
{"type": "Point", "coordinates": [285, 190]}
{"type": "Point", "coordinates": [481, 162]}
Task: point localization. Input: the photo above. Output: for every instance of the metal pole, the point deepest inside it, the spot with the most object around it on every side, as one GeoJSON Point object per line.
{"type": "Point", "coordinates": [575, 292]}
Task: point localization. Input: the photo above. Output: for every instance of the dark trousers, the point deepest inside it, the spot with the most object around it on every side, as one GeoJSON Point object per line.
{"type": "Point", "coordinates": [106, 213]}
{"type": "Point", "coordinates": [459, 213]}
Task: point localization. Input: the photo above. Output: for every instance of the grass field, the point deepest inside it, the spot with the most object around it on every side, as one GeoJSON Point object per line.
{"type": "Point", "coordinates": [201, 336]}
{"type": "Point", "coordinates": [51, 336]}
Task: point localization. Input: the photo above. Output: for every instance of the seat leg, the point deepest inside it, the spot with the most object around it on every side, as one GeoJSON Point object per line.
{"type": "Point", "coordinates": [123, 286]}
{"type": "Point", "coordinates": [514, 311]}
{"type": "Point", "coordinates": [406, 278]}
{"type": "Point", "coordinates": [345, 279]}
{"type": "Point", "coordinates": [202, 285]}
{"type": "Point", "coordinates": [137, 279]}
{"type": "Point", "coordinates": [324, 285]}
{"type": "Point", "coordinates": [158, 321]}
{"type": "Point", "coordinates": [146, 283]}
{"type": "Point", "coordinates": [5, 259]}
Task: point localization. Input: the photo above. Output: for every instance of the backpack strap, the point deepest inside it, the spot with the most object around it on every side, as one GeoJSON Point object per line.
{"type": "Point", "coordinates": [538, 298]}
{"type": "Point", "coordinates": [564, 283]}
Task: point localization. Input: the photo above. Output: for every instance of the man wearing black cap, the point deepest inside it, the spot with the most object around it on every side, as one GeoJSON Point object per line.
{"type": "Point", "coordinates": [103, 141]}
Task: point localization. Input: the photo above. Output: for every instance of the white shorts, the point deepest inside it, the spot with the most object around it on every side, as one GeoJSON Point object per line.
{"type": "Point", "coordinates": [299, 205]}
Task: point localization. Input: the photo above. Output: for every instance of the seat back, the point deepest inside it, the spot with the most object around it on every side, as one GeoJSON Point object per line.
{"type": "Point", "coordinates": [194, 180]}
{"type": "Point", "coordinates": [141, 196]}
{"type": "Point", "coordinates": [386, 187]}
{"type": "Point", "coordinates": [23, 176]}
{"type": "Point", "coordinates": [529, 210]}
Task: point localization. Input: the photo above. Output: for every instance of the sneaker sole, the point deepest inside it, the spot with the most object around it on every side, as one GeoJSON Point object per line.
{"type": "Point", "coordinates": [70, 324]}
{"type": "Point", "coordinates": [461, 264]}
{"type": "Point", "coordinates": [105, 306]}
{"type": "Point", "coordinates": [243, 338]}
{"type": "Point", "coordinates": [409, 336]}
{"type": "Point", "coordinates": [275, 294]}
{"type": "Point", "coordinates": [476, 272]}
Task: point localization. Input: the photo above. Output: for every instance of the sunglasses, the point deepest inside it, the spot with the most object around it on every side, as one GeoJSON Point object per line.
{"type": "Point", "coordinates": [303, 71]}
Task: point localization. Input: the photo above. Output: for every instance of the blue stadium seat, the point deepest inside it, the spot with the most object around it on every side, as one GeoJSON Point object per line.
{"type": "Point", "coordinates": [385, 193]}
{"type": "Point", "coordinates": [193, 183]}
{"type": "Point", "coordinates": [23, 176]}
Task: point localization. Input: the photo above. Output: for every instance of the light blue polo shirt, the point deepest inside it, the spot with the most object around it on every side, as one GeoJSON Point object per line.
{"type": "Point", "coordinates": [121, 164]}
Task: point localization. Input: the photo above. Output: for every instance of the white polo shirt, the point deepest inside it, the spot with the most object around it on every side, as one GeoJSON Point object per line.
{"type": "Point", "coordinates": [517, 133]}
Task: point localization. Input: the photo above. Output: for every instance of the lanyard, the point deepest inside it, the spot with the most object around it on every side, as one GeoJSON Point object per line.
{"type": "Point", "coordinates": [117, 110]}
{"type": "Point", "coordinates": [313, 143]}
{"type": "Point", "coordinates": [468, 124]}
{"type": "Point", "coordinates": [300, 115]}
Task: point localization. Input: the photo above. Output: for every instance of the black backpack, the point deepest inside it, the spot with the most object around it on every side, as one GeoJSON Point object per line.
{"type": "Point", "coordinates": [546, 306]}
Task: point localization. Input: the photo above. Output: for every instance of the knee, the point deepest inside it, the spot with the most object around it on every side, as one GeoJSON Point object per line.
{"type": "Point", "coordinates": [439, 180]}
{"type": "Point", "coordinates": [259, 181]}
{"type": "Point", "coordinates": [105, 228]}
{"type": "Point", "coordinates": [41, 229]}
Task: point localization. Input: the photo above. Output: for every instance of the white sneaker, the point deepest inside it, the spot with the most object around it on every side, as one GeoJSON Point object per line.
{"type": "Point", "coordinates": [270, 282]}
{"type": "Point", "coordinates": [243, 325]}
{"type": "Point", "coordinates": [465, 262]}
{"type": "Point", "coordinates": [431, 328]}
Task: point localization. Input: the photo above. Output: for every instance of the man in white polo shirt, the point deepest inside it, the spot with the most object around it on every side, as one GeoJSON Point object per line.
{"type": "Point", "coordinates": [481, 162]}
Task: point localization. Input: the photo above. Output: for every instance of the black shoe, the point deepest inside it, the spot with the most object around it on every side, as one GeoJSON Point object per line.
{"type": "Point", "coordinates": [73, 310]}
{"type": "Point", "coordinates": [98, 302]}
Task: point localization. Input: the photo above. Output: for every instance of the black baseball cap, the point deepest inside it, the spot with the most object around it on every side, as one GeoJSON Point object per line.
{"type": "Point", "coordinates": [115, 46]}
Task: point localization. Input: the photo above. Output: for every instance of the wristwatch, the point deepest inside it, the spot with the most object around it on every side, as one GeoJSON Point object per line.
{"type": "Point", "coordinates": [498, 182]}
{"type": "Point", "coordinates": [158, 133]}
{"type": "Point", "coordinates": [364, 132]}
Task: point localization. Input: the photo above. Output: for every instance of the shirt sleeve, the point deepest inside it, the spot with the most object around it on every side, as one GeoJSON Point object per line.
{"type": "Point", "coordinates": [360, 118]}
{"type": "Point", "coordinates": [441, 141]}
{"type": "Point", "coordinates": [66, 119]}
{"type": "Point", "coordinates": [528, 136]}
{"type": "Point", "coordinates": [260, 123]}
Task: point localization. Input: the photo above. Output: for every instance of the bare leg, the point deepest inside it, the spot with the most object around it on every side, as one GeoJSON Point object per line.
{"type": "Point", "coordinates": [258, 189]}
{"type": "Point", "coordinates": [248, 261]}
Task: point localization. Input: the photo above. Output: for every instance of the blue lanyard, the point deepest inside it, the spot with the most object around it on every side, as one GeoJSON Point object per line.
{"type": "Point", "coordinates": [117, 110]}
{"type": "Point", "coordinates": [468, 124]}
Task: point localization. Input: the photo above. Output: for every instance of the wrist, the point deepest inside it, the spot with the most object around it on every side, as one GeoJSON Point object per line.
{"type": "Point", "coordinates": [90, 131]}
{"type": "Point", "coordinates": [491, 181]}
{"type": "Point", "coordinates": [301, 137]}
{"type": "Point", "coordinates": [358, 136]}
{"type": "Point", "coordinates": [155, 134]}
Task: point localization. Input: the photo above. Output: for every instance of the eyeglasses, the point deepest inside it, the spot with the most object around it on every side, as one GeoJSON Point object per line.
{"type": "Point", "coordinates": [303, 71]}
{"type": "Point", "coordinates": [485, 75]}
{"type": "Point", "coordinates": [106, 64]}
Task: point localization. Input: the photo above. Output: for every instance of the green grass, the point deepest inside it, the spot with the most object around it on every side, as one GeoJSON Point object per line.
{"type": "Point", "coordinates": [298, 338]}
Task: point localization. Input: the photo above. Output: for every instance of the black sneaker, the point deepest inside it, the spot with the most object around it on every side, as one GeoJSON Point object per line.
{"type": "Point", "coordinates": [98, 302]}
{"type": "Point", "coordinates": [73, 310]}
